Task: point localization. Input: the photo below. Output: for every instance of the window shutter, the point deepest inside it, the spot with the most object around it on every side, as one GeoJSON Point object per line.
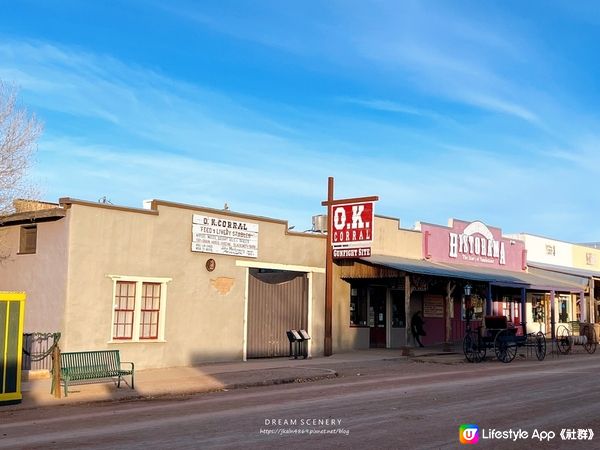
{"type": "Point", "coordinates": [28, 242]}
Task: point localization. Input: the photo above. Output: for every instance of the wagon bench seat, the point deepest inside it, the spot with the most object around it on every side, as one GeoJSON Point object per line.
{"type": "Point", "coordinates": [92, 365]}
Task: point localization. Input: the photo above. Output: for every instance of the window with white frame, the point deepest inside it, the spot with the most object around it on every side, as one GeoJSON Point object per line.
{"type": "Point", "coordinates": [139, 305]}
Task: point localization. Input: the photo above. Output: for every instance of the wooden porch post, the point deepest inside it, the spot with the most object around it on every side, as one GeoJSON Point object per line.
{"type": "Point", "coordinates": [592, 305]}
{"type": "Point", "coordinates": [524, 310]}
{"type": "Point", "coordinates": [552, 314]}
{"type": "Point", "coordinates": [447, 313]}
{"type": "Point", "coordinates": [488, 301]}
{"type": "Point", "coordinates": [406, 350]}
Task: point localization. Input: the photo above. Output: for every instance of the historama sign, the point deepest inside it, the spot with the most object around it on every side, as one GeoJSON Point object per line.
{"type": "Point", "coordinates": [472, 243]}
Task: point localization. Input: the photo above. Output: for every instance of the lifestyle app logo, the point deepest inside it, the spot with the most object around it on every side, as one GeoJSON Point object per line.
{"type": "Point", "coordinates": [468, 434]}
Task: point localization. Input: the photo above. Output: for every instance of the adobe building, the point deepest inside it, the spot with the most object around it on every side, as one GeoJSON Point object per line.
{"type": "Point", "coordinates": [168, 284]}
{"type": "Point", "coordinates": [441, 271]}
{"type": "Point", "coordinates": [567, 261]}
{"type": "Point", "coordinates": [176, 285]}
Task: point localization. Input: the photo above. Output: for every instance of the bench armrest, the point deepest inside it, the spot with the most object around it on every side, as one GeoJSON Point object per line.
{"type": "Point", "coordinates": [129, 362]}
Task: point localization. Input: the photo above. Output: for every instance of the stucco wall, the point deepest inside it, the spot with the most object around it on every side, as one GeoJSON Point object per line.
{"type": "Point", "coordinates": [42, 275]}
{"type": "Point", "coordinates": [201, 323]}
{"type": "Point", "coordinates": [389, 239]}
{"type": "Point", "coordinates": [547, 251]}
{"type": "Point", "coordinates": [586, 258]}
{"type": "Point", "coordinates": [345, 337]}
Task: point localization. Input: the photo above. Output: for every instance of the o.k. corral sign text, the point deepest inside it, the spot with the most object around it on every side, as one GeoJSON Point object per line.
{"type": "Point", "coordinates": [351, 228]}
{"type": "Point", "coordinates": [224, 236]}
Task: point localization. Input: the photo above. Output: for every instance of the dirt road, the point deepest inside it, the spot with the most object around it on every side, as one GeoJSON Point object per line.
{"type": "Point", "coordinates": [381, 404]}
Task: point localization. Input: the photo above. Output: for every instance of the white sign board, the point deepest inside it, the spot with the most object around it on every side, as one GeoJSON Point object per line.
{"type": "Point", "coordinates": [224, 236]}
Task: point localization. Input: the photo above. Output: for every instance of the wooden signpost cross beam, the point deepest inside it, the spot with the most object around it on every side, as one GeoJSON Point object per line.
{"type": "Point", "coordinates": [330, 202]}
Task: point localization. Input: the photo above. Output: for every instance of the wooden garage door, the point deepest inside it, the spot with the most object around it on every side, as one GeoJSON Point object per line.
{"type": "Point", "coordinates": [277, 302]}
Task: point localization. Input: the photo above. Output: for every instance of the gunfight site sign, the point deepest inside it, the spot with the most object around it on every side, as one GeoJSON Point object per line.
{"type": "Point", "coordinates": [224, 236]}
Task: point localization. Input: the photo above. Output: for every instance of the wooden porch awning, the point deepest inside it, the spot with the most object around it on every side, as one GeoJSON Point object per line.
{"type": "Point", "coordinates": [497, 277]}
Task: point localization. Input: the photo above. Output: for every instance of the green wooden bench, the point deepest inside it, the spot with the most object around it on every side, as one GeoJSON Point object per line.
{"type": "Point", "coordinates": [92, 365]}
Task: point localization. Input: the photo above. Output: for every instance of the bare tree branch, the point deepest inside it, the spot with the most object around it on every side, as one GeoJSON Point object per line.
{"type": "Point", "coordinates": [19, 132]}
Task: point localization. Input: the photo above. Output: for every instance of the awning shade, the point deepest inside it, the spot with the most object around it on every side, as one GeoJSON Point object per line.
{"type": "Point", "coordinates": [565, 270]}
{"type": "Point", "coordinates": [538, 281]}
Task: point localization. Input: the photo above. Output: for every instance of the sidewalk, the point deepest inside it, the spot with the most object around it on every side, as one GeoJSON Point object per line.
{"type": "Point", "coordinates": [222, 376]}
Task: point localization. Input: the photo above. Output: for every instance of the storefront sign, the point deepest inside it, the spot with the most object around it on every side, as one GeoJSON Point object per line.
{"type": "Point", "coordinates": [472, 243]}
{"type": "Point", "coordinates": [362, 252]}
{"type": "Point", "coordinates": [352, 230]}
{"type": "Point", "coordinates": [224, 236]}
{"type": "Point", "coordinates": [477, 242]}
{"type": "Point", "coordinates": [433, 307]}
{"type": "Point", "coordinates": [352, 224]}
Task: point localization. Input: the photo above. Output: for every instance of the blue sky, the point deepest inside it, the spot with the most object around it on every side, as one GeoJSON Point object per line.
{"type": "Point", "coordinates": [459, 109]}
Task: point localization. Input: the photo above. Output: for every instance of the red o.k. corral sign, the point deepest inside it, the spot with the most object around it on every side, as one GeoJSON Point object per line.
{"type": "Point", "coordinates": [351, 224]}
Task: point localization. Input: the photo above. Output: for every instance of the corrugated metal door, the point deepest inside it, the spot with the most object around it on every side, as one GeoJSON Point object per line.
{"type": "Point", "coordinates": [277, 302]}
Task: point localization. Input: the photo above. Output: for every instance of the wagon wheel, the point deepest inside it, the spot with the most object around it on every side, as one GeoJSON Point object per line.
{"type": "Point", "coordinates": [563, 340]}
{"type": "Point", "coordinates": [590, 334]}
{"type": "Point", "coordinates": [505, 346]}
{"type": "Point", "coordinates": [540, 345]}
{"type": "Point", "coordinates": [472, 347]}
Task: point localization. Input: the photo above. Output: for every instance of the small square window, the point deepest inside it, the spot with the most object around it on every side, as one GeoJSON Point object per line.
{"type": "Point", "coordinates": [28, 240]}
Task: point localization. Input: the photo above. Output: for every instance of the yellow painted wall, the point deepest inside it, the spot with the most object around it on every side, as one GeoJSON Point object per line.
{"type": "Point", "coordinates": [586, 258]}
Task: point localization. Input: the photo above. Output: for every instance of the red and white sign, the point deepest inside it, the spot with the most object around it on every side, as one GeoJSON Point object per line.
{"type": "Point", "coordinates": [472, 243]}
{"type": "Point", "coordinates": [351, 225]}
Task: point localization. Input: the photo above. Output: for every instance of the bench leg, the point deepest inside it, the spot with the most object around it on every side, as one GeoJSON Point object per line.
{"type": "Point", "coordinates": [119, 382]}
{"type": "Point", "coordinates": [132, 380]}
{"type": "Point", "coordinates": [66, 388]}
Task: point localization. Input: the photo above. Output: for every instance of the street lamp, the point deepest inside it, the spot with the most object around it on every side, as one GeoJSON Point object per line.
{"type": "Point", "coordinates": [469, 310]}
{"type": "Point", "coordinates": [467, 289]}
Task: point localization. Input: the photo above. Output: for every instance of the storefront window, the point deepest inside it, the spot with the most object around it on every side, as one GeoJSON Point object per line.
{"type": "Point", "coordinates": [563, 309]}
{"type": "Point", "coordinates": [506, 308]}
{"type": "Point", "coordinates": [538, 308]}
{"type": "Point", "coordinates": [398, 312]}
{"type": "Point", "coordinates": [358, 306]}
{"type": "Point", "coordinates": [475, 302]}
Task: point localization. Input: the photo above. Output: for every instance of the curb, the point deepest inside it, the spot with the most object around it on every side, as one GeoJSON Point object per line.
{"type": "Point", "coordinates": [330, 374]}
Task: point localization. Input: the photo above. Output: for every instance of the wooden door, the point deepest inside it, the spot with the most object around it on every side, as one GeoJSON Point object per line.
{"type": "Point", "coordinates": [377, 316]}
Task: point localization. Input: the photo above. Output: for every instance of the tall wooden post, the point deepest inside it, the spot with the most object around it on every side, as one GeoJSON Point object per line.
{"type": "Point", "coordinates": [327, 345]}
{"type": "Point", "coordinates": [582, 305]}
{"type": "Point", "coordinates": [407, 311]}
{"type": "Point", "coordinates": [524, 311]}
{"type": "Point", "coordinates": [447, 313]}
{"type": "Point", "coordinates": [592, 302]}
{"type": "Point", "coordinates": [330, 202]}
{"type": "Point", "coordinates": [56, 370]}
{"type": "Point", "coordinates": [552, 314]}
{"type": "Point", "coordinates": [593, 308]}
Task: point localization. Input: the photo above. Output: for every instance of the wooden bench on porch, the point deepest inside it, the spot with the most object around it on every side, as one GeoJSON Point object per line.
{"type": "Point", "coordinates": [92, 365]}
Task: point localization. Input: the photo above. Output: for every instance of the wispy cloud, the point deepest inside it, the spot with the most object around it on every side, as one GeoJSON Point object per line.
{"type": "Point", "coordinates": [423, 112]}
{"type": "Point", "coordinates": [502, 106]}
{"type": "Point", "coordinates": [394, 107]}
